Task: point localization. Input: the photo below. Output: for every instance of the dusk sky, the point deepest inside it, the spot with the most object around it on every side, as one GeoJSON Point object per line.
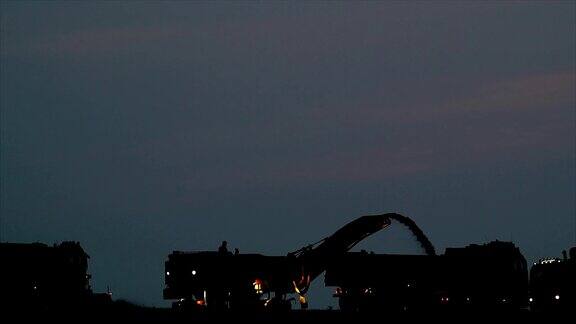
{"type": "Point", "coordinates": [138, 128]}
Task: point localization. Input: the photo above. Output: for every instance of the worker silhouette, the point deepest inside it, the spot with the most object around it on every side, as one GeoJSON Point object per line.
{"type": "Point", "coordinates": [236, 251]}
{"type": "Point", "coordinates": [223, 249]}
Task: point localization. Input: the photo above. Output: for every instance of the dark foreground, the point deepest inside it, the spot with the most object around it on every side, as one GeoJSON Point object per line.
{"type": "Point", "coordinates": [128, 313]}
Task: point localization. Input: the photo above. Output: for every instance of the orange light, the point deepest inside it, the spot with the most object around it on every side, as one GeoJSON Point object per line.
{"type": "Point", "coordinates": [295, 287]}
{"type": "Point", "coordinates": [257, 286]}
{"type": "Point", "coordinates": [200, 302]}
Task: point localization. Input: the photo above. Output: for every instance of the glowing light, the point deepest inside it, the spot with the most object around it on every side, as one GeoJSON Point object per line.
{"type": "Point", "coordinates": [257, 286]}
{"type": "Point", "coordinates": [167, 273]}
{"type": "Point", "coordinates": [193, 272]}
{"type": "Point", "coordinates": [200, 302]}
{"type": "Point", "coordinates": [302, 299]}
{"type": "Point", "coordinates": [557, 297]}
{"type": "Point", "coordinates": [548, 261]}
{"type": "Point", "coordinates": [295, 287]}
{"type": "Point", "coordinates": [530, 299]}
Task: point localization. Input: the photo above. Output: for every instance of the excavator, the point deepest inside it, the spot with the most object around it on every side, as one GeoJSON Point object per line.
{"type": "Point", "coordinates": [219, 280]}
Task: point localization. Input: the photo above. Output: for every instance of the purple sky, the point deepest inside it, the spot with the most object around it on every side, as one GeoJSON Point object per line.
{"type": "Point", "coordinates": [137, 128]}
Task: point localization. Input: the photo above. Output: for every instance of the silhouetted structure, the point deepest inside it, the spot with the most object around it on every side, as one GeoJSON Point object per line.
{"type": "Point", "coordinates": [217, 281]}
{"type": "Point", "coordinates": [223, 249]}
{"type": "Point", "coordinates": [245, 279]}
{"type": "Point", "coordinates": [483, 276]}
{"type": "Point", "coordinates": [44, 276]}
{"type": "Point", "coordinates": [493, 275]}
{"type": "Point", "coordinates": [488, 276]}
{"type": "Point", "coordinates": [553, 283]}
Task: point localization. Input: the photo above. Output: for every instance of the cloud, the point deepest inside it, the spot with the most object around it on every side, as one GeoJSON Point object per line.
{"type": "Point", "coordinates": [518, 118]}
{"type": "Point", "coordinates": [531, 92]}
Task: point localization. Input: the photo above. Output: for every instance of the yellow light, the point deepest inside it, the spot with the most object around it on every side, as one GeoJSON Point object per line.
{"type": "Point", "coordinates": [302, 299]}
{"type": "Point", "coordinates": [296, 287]}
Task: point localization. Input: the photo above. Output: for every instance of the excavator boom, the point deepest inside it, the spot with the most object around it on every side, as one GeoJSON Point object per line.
{"type": "Point", "coordinates": [313, 260]}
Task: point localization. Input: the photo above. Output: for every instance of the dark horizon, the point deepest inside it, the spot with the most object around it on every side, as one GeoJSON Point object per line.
{"type": "Point", "coordinates": [142, 128]}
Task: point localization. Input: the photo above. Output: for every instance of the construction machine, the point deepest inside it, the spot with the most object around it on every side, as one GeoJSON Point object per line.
{"type": "Point", "coordinates": [219, 280]}
{"type": "Point", "coordinates": [492, 275]}
{"type": "Point", "coordinates": [36, 275]}
{"type": "Point", "coordinates": [488, 276]}
{"type": "Point", "coordinates": [553, 283]}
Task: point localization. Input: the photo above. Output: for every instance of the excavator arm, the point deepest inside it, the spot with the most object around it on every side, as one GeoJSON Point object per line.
{"type": "Point", "coordinates": [313, 259]}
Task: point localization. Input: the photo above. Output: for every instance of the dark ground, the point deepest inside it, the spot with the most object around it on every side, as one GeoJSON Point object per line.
{"type": "Point", "coordinates": [120, 312]}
